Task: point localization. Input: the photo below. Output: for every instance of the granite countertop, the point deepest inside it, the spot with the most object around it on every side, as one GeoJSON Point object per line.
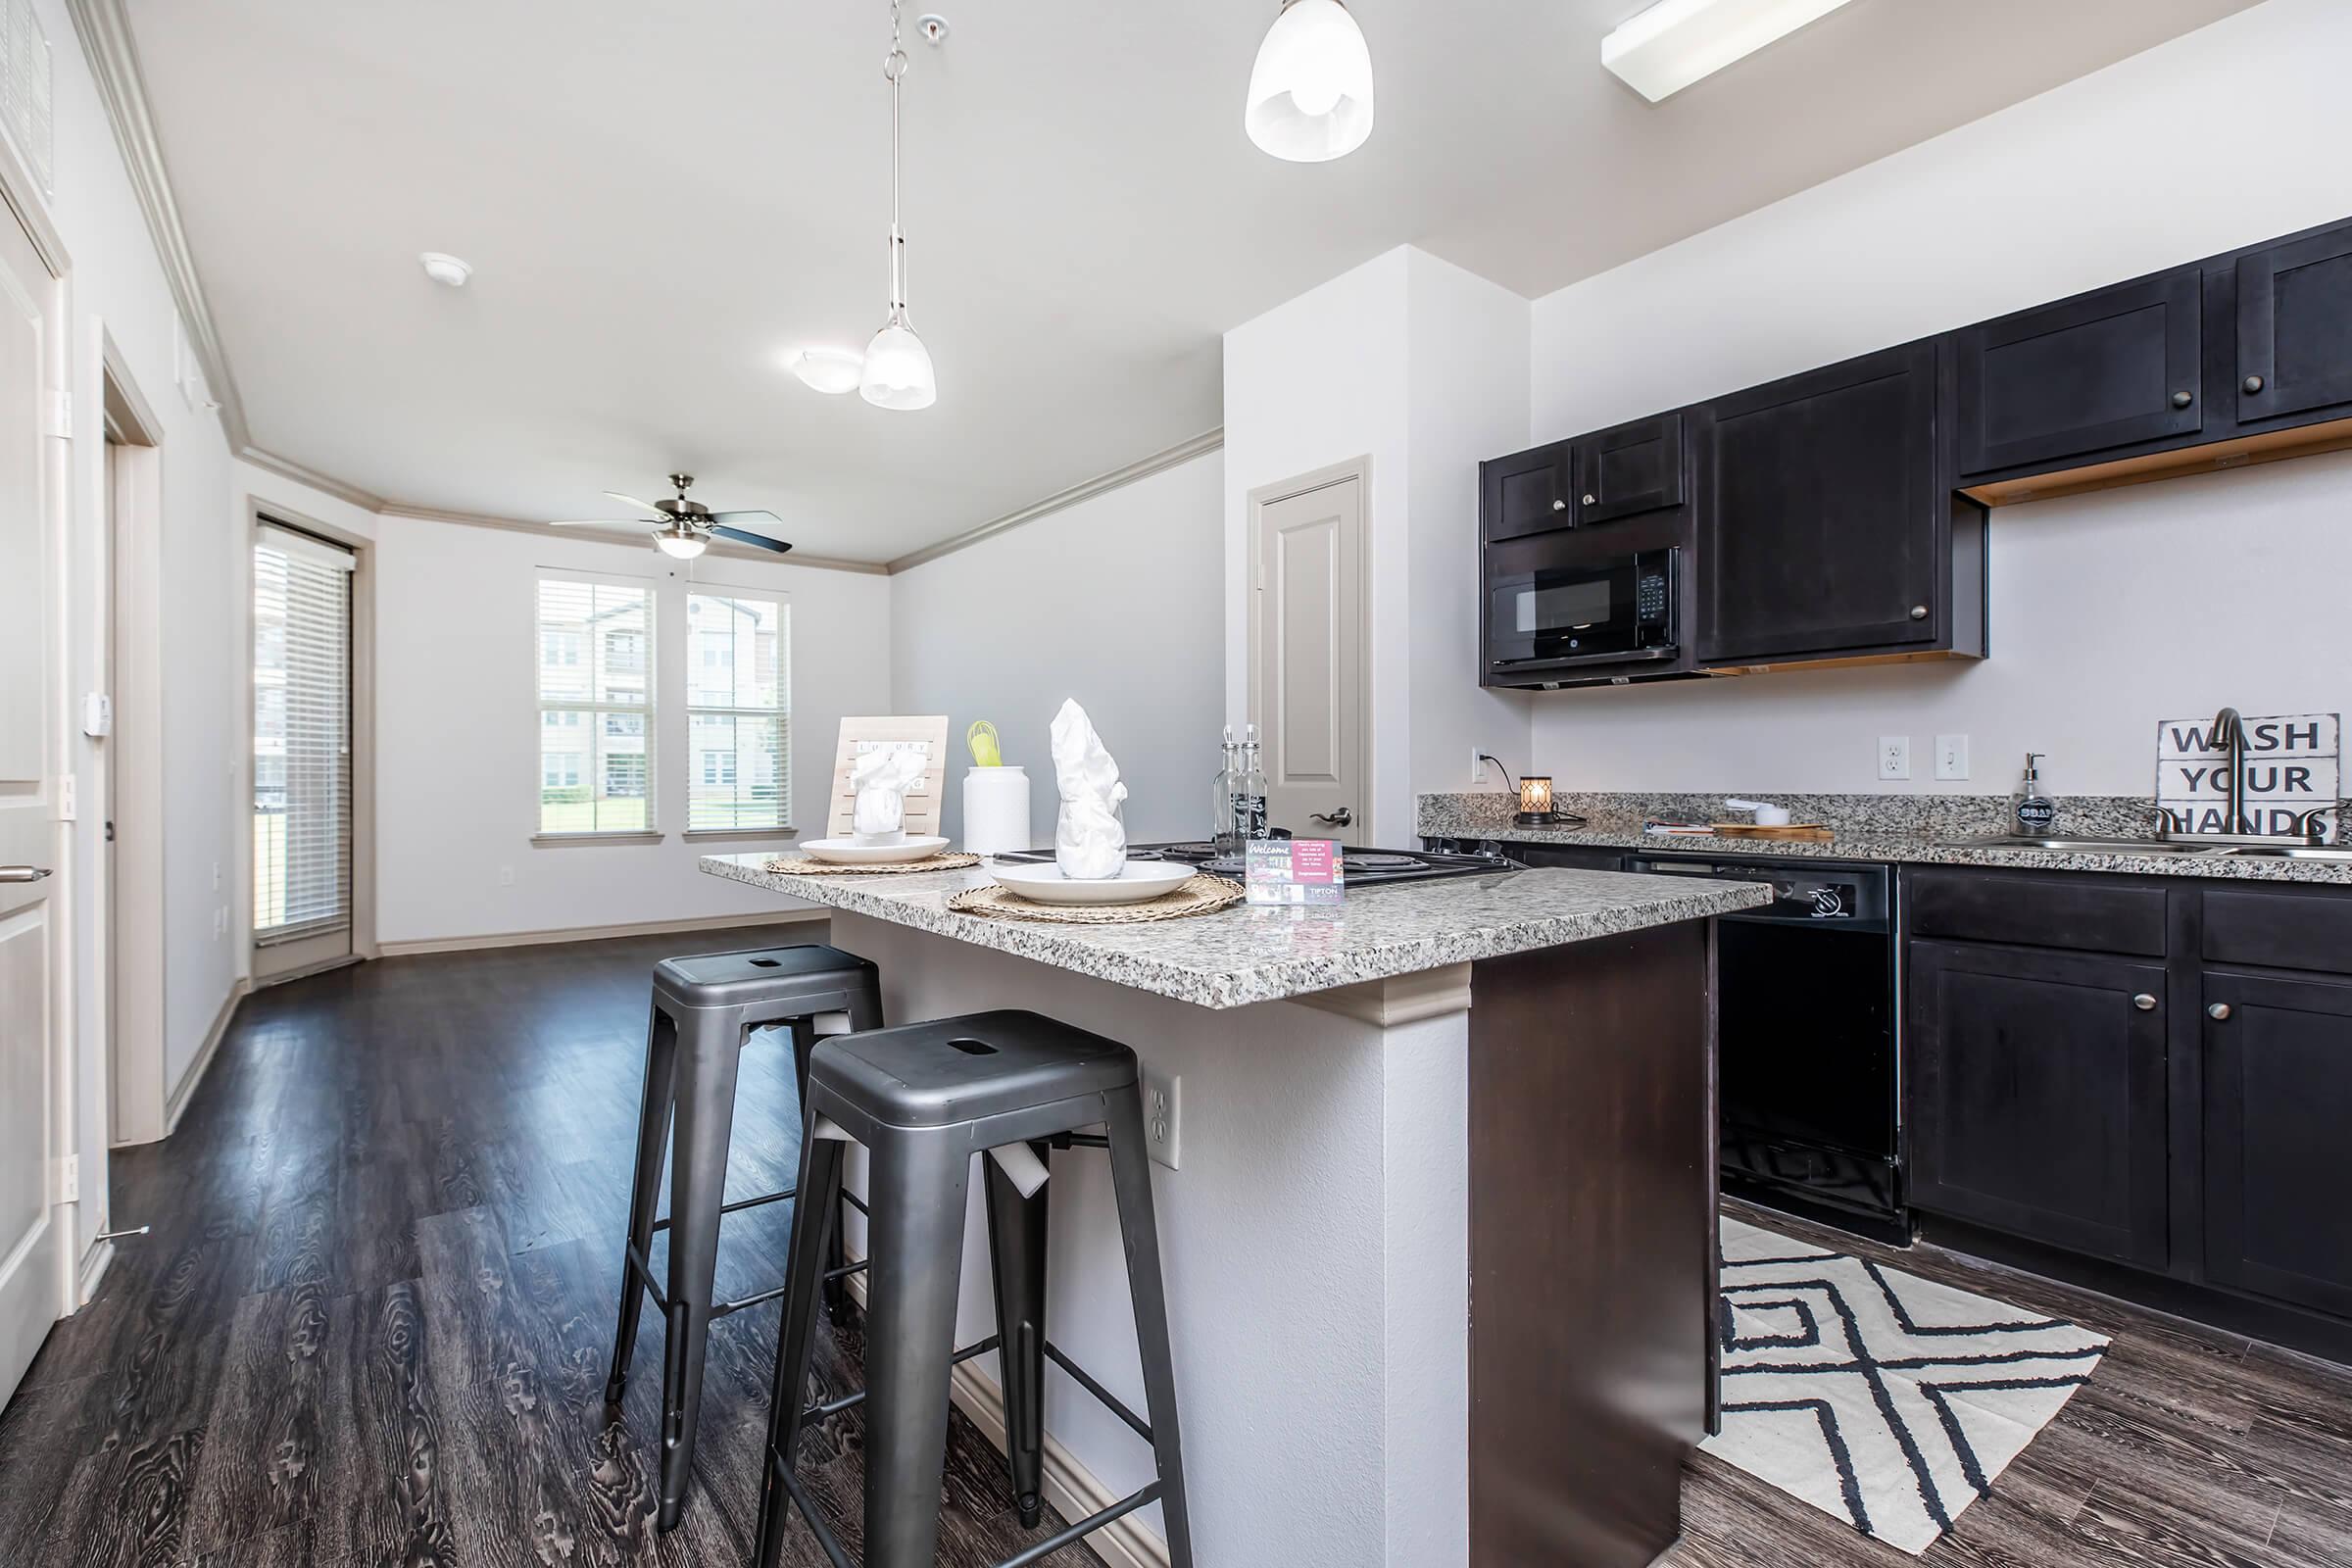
{"type": "Point", "coordinates": [1897, 829]}
{"type": "Point", "coordinates": [1242, 955]}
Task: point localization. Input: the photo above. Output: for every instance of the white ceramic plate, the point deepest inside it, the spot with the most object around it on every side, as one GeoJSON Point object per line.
{"type": "Point", "coordinates": [1137, 881]}
{"type": "Point", "coordinates": [849, 852]}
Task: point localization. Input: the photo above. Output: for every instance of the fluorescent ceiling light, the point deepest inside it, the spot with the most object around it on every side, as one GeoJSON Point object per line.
{"type": "Point", "coordinates": [1676, 42]}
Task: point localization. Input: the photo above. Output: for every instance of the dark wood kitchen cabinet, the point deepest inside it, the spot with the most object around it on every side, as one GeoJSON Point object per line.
{"type": "Point", "coordinates": [2277, 1150]}
{"type": "Point", "coordinates": [2083, 380]}
{"type": "Point", "coordinates": [2294, 331]}
{"type": "Point", "coordinates": [1527, 492]}
{"type": "Point", "coordinates": [2037, 1096]}
{"type": "Point", "coordinates": [1624, 471]}
{"type": "Point", "coordinates": [1820, 517]}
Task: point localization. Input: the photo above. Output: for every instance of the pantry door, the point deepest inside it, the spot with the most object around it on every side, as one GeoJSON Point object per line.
{"type": "Point", "coordinates": [33, 1248]}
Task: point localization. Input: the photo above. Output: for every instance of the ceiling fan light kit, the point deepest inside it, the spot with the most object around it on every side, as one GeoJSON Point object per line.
{"type": "Point", "coordinates": [1310, 91]}
{"type": "Point", "coordinates": [683, 529]}
{"type": "Point", "coordinates": [681, 542]}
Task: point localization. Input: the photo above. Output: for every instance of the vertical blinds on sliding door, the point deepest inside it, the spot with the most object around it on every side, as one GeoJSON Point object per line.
{"type": "Point", "coordinates": [301, 736]}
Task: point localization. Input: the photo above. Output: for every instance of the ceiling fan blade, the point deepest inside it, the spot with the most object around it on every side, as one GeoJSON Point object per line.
{"type": "Point", "coordinates": [745, 516]}
{"type": "Point", "coordinates": [632, 501]}
{"type": "Point", "coordinates": [608, 522]}
{"type": "Point", "coordinates": [758, 541]}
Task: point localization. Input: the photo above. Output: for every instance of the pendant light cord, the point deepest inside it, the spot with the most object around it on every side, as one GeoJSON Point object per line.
{"type": "Point", "coordinates": [893, 71]}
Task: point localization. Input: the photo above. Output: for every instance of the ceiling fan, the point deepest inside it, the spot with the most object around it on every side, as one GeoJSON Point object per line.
{"type": "Point", "coordinates": [685, 529]}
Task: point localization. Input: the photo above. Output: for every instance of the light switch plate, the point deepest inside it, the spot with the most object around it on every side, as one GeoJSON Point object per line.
{"type": "Point", "coordinates": [1951, 757]}
{"type": "Point", "coordinates": [1163, 1116]}
{"type": "Point", "coordinates": [1895, 756]}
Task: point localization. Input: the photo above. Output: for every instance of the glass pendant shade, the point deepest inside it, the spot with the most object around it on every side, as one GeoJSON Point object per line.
{"type": "Point", "coordinates": [898, 367]}
{"type": "Point", "coordinates": [682, 543]}
{"type": "Point", "coordinates": [1311, 92]}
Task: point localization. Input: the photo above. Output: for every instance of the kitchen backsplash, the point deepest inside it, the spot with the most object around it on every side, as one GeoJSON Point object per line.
{"type": "Point", "coordinates": [1923, 815]}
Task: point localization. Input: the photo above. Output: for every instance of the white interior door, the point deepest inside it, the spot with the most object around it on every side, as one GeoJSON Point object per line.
{"type": "Point", "coordinates": [1307, 660]}
{"type": "Point", "coordinates": [32, 1231]}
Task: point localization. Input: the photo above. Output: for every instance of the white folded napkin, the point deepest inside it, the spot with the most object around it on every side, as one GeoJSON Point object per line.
{"type": "Point", "coordinates": [1089, 839]}
{"type": "Point", "coordinates": [880, 779]}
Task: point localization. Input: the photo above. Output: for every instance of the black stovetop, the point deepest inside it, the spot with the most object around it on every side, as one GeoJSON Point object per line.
{"type": "Point", "coordinates": [1363, 868]}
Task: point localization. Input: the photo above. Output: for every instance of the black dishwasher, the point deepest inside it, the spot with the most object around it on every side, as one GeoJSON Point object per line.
{"type": "Point", "coordinates": [1806, 1018]}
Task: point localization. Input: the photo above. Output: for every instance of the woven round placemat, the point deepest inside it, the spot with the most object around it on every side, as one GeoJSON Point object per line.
{"type": "Point", "coordinates": [1197, 895]}
{"type": "Point", "coordinates": [802, 866]}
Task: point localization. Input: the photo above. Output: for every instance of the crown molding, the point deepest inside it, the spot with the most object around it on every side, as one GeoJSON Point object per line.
{"type": "Point", "coordinates": [718, 547]}
{"type": "Point", "coordinates": [288, 469]}
{"type": "Point", "coordinates": [114, 59]}
{"type": "Point", "coordinates": [1061, 500]}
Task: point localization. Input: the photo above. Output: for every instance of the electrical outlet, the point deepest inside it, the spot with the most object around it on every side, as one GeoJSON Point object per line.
{"type": "Point", "coordinates": [1895, 756]}
{"type": "Point", "coordinates": [506, 876]}
{"type": "Point", "coordinates": [1478, 766]}
{"type": "Point", "coordinates": [1951, 757]}
{"type": "Point", "coordinates": [1163, 1116]}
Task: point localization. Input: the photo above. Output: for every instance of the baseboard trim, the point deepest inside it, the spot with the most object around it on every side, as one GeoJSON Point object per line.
{"type": "Point", "coordinates": [593, 933]}
{"type": "Point", "coordinates": [1071, 1489]}
{"type": "Point", "coordinates": [186, 1092]}
{"type": "Point", "coordinates": [92, 1273]}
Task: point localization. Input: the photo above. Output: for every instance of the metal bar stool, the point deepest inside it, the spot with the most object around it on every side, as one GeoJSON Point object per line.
{"type": "Point", "coordinates": [924, 1099]}
{"type": "Point", "coordinates": [704, 1009]}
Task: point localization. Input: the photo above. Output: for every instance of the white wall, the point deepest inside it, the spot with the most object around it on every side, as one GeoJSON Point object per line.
{"type": "Point", "coordinates": [117, 287]}
{"type": "Point", "coordinates": [457, 732]}
{"type": "Point", "coordinates": [2109, 611]}
{"type": "Point", "coordinates": [1115, 601]}
{"type": "Point", "coordinates": [1415, 364]}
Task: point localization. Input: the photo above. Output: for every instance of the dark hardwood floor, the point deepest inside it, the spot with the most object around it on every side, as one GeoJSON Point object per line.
{"type": "Point", "coordinates": [372, 1323]}
{"type": "Point", "coordinates": [2188, 1449]}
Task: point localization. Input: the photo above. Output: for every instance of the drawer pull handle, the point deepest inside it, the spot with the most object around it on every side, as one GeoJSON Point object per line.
{"type": "Point", "coordinates": [2219, 1013]}
{"type": "Point", "coordinates": [2253, 384]}
{"type": "Point", "coordinates": [2144, 1002]}
{"type": "Point", "coordinates": [2181, 400]}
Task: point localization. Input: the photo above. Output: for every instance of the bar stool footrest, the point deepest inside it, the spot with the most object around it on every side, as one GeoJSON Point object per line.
{"type": "Point", "coordinates": [1150, 1492]}
{"type": "Point", "coordinates": [740, 1204]}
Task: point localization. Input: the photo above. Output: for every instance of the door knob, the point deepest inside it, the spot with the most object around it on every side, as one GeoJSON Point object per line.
{"type": "Point", "coordinates": [2144, 1002]}
{"type": "Point", "coordinates": [1560, 505]}
{"type": "Point", "coordinates": [1339, 818]}
{"type": "Point", "coordinates": [2219, 1011]}
{"type": "Point", "coordinates": [2253, 384]}
{"type": "Point", "coordinates": [23, 873]}
{"type": "Point", "coordinates": [2181, 400]}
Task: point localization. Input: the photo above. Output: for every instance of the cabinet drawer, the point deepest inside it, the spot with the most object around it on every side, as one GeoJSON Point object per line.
{"type": "Point", "coordinates": [2085, 913]}
{"type": "Point", "coordinates": [2280, 930]}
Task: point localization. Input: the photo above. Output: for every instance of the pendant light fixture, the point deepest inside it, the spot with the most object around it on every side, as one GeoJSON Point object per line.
{"type": "Point", "coordinates": [1311, 92]}
{"type": "Point", "coordinates": [898, 371]}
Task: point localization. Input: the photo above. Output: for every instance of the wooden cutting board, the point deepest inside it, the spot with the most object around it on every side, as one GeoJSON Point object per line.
{"type": "Point", "coordinates": [1808, 832]}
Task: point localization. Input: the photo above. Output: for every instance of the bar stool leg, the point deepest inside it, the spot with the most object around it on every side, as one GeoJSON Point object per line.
{"type": "Point", "coordinates": [1016, 1245]}
{"type": "Point", "coordinates": [915, 1244]}
{"type": "Point", "coordinates": [796, 1337]}
{"type": "Point", "coordinates": [836, 1289]}
{"type": "Point", "coordinates": [1131, 1181]}
{"type": "Point", "coordinates": [653, 1136]}
{"type": "Point", "coordinates": [698, 1182]}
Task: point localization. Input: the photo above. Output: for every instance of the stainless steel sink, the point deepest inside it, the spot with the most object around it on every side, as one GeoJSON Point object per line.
{"type": "Point", "coordinates": [2004, 841]}
{"type": "Point", "coordinates": [2296, 851]}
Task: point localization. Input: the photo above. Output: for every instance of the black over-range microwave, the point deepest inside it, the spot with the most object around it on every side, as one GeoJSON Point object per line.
{"type": "Point", "coordinates": [1556, 612]}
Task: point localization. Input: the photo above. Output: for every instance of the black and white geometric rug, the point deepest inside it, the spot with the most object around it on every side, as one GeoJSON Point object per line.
{"type": "Point", "coordinates": [1884, 1399]}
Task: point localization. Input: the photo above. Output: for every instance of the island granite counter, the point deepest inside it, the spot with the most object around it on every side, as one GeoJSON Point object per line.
{"type": "Point", "coordinates": [1493, 1089]}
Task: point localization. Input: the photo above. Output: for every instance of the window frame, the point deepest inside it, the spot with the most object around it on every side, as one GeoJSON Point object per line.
{"type": "Point", "coordinates": [593, 759]}
{"type": "Point", "coordinates": [780, 712]}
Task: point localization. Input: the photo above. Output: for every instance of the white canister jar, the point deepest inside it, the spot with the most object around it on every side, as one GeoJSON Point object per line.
{"type": "Point", "coordinates": [995, 810]}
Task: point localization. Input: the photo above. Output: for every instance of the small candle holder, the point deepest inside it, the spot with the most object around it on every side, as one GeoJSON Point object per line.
{"type": "Point", "coordinates": [1535, 801]}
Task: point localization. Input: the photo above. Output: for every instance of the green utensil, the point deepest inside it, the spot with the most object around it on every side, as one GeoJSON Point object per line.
{"type": "Point", "coordinates": [982, 739]}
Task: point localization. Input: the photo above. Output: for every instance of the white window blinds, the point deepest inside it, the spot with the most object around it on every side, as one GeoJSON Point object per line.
{"type": "Point", "coordinates": [738, 701]}
{"type": "Point", "coordinates": [596, 705]}
{"type": "Point", "coordinates": [301, 736]}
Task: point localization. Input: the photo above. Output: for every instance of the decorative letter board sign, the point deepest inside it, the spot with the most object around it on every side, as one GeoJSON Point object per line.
{"type": "Point", "coordinates": [2291, 767]}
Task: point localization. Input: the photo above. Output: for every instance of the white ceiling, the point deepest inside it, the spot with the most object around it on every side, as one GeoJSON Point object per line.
{"type": "Point", "coordinates": [658, 200]}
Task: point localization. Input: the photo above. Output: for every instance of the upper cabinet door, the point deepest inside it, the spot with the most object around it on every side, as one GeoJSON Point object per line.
{"type": "Point", "coordinates": [1820, 525]}
{"type": "Point", "coordinates": [1529, 492]}
{"type": "Point", "coordinates": [1631, 470]}
{"type": "Point", "coordinates": [2078, 379]}
{"type": "Point", "coordinates": [2294, 329]}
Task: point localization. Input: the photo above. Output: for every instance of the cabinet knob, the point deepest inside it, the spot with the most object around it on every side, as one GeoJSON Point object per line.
{"type": "Point", "coordinates": [2181, 400]}
{"type": "Point", "coordinates": [1560, 505]}
{"type": "Point", "coordinates": [1590, 501]}
{"type": "Point", "coordinates": [1919, 612]}
{"type": "Point", "coordinates": [2219, 1011]}
{"type": "Point", "coordinates": [2144, 1002]}
{"type": "Point", "coordinates": [2253, 384]}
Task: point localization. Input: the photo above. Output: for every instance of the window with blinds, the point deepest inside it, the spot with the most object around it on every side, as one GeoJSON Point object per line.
{"type": "Point", "coordinates": [738, 702]}
{"type": "Point", "coordinates": [596, 705]}
{"type": "Point", "coordinates": [301, 736]}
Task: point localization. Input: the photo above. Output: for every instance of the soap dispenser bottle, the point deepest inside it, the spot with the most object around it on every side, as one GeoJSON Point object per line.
{"type": "Point", "coordinates": [2030, 812]}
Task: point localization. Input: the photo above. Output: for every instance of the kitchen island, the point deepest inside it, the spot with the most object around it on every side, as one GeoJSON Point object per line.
{"type": "Point", "coordinates": [1440, 1239]}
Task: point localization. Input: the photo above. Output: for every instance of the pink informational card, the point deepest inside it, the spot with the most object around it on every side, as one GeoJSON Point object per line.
{"type": "Point", "coordinates": [1295, 872]}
